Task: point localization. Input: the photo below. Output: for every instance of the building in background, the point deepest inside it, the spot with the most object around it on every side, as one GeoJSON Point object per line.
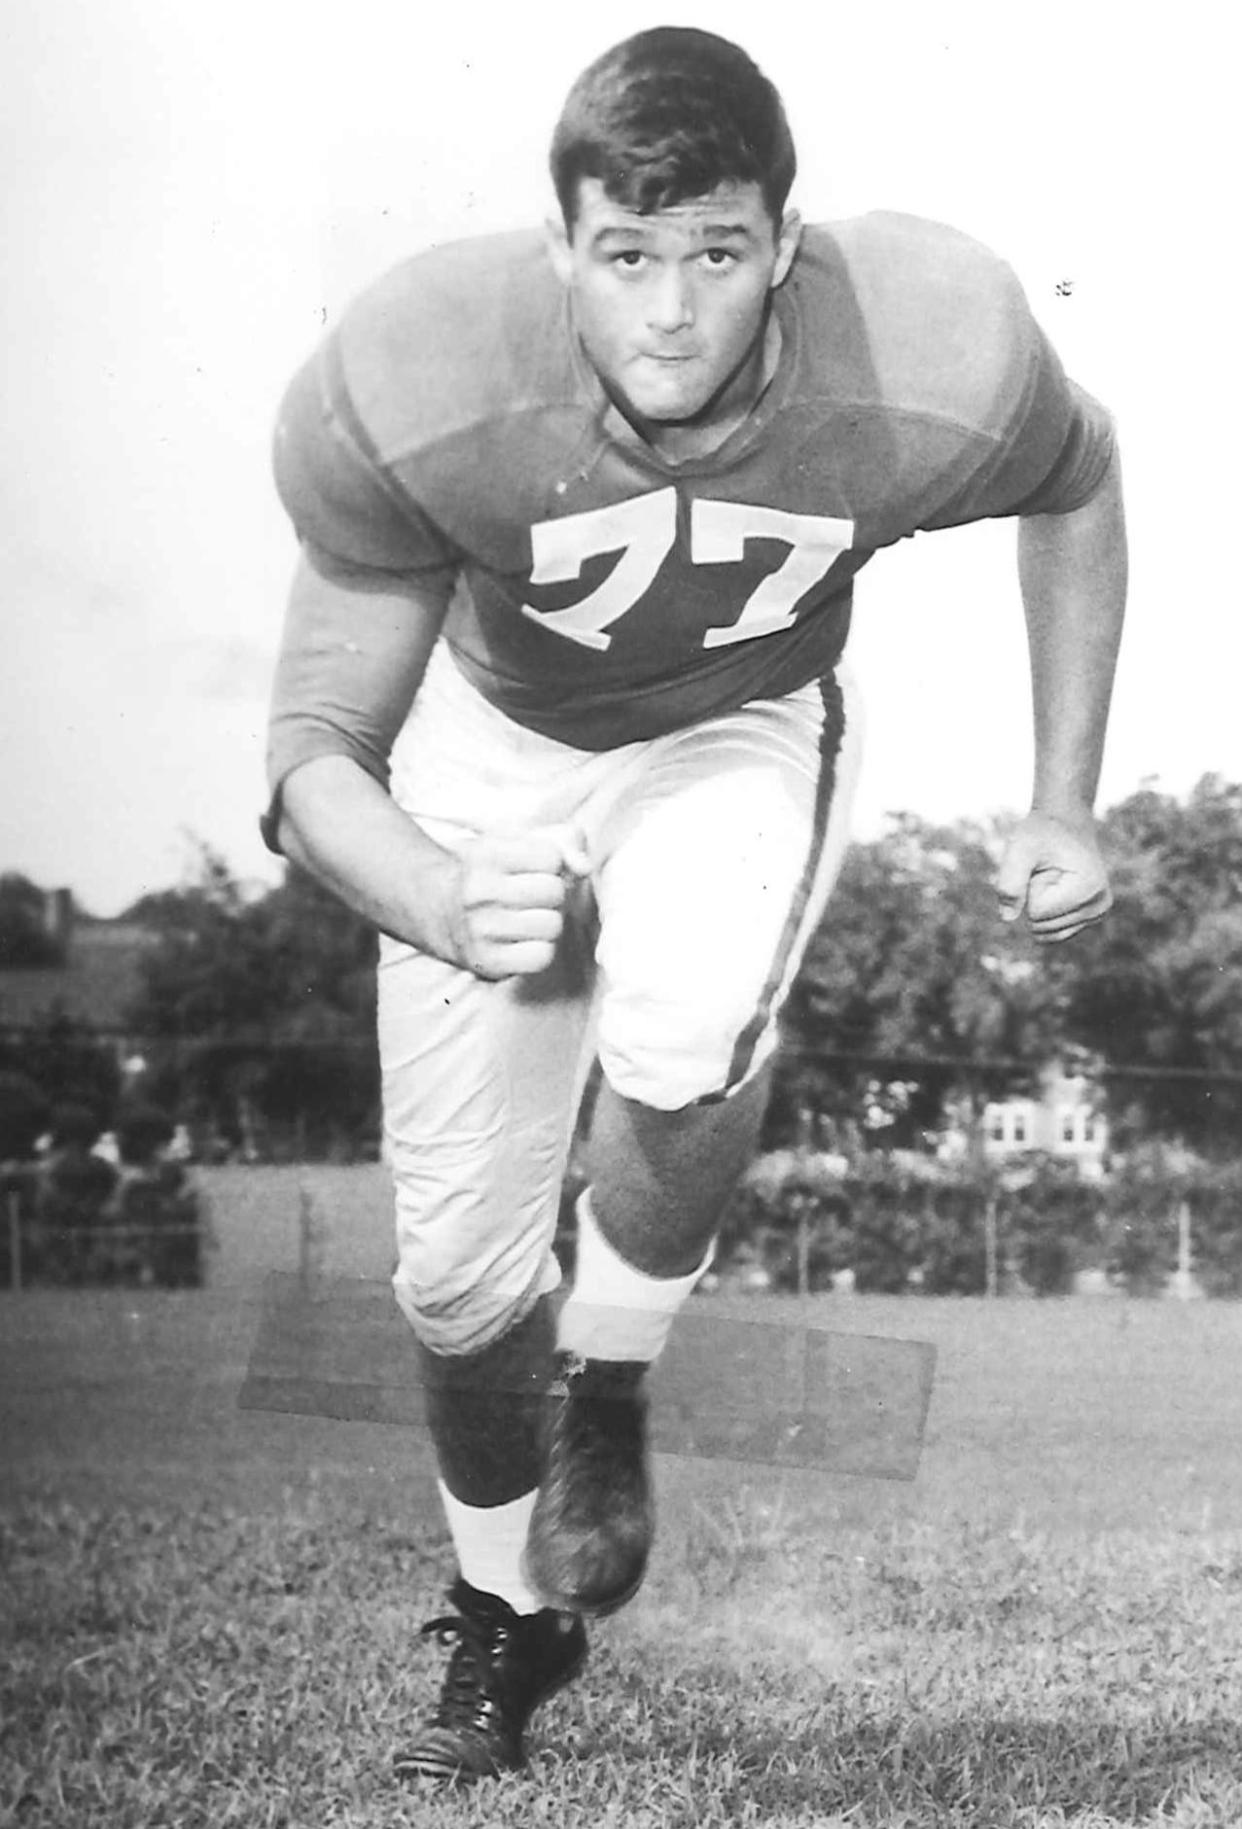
{"type": "Point", "coordinates": [1064, 1118]}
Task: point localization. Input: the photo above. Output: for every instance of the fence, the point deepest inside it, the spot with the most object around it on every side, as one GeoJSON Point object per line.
{"type": "Point", "coordinates": [150, 1234]}
{"type": "Point", "coordinates": [804, 1220]}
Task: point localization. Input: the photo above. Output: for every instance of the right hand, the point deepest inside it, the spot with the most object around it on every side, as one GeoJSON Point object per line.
{"type": "Point", "coordinates": [511, 895]}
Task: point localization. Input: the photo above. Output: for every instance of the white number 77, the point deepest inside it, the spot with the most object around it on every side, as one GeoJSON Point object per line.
{"type": "Point", "coordinates": [719, 532]}
{"type": "Point", "coordinates": [645, 527]}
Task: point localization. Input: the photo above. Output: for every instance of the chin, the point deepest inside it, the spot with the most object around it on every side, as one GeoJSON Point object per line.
{"type": "Point", "coordinates": [665, 409]}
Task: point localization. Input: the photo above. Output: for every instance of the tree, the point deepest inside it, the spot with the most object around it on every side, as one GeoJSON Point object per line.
{"type": "Point", "coordinates": [259, 1009]}
{"type": "Point", "coordinates": [912, 965]}
{"type": "Point", "coordinates": [66, 1060]}
{"type": "Point", "coordinates": [24, 1112]}
{"type": "Point", "coordinates": [229, 963]}
{"type": "Point", "coordinates": [1156, 989]}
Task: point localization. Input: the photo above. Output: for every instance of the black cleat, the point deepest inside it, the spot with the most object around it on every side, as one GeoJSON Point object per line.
{"type": "Point", "coordinates": [594, 1519]}
{"type": "Point", "coordinates": [504, 1664]}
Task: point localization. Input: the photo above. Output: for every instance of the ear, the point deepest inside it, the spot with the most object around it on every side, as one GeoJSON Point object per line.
{"type": "Point", "coordinates": [556, 238]}
{"type": "Point", "coordinates": [787, 245]}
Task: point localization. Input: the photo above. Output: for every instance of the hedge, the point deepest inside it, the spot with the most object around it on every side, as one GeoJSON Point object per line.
{"type": "Point", "coordinates": [83, 1222]}
{"type": "Point", "coordinates": [900, 1223]}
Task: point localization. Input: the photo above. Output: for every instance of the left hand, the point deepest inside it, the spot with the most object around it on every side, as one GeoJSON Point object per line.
{"type": "Point", "coordinates": [1052, 869]}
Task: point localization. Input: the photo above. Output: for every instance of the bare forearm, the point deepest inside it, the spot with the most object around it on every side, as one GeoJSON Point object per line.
{"type": "Point", "coordinates": [1072, 569]}
{"type": "Point", "coordinates": [495, 909]}
{"type": "Point", "coordinates": [340, 825]}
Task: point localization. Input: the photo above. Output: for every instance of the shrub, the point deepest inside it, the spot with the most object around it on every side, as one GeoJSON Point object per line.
{"type": "Point", "coordinates": [142, 1131]}
{"type": "Point", "coordinates": [954, 1247]}
{"type": "Point", "coordinates": [902, 1222]}
{"type": "Point", "coordinates": [1141, 1218]}
{"type": "Point", "coordinates": [1051, 1223]}
{"type": "Point", "coordinates": [24, 1112]}
{"type": "Point", "coordinates": [156, 1229]}
{"type": "Point", "coordinates": [887, 1227]}
{"type": "Point", "coordinates": [791, 1213]}
{"type": "Point", "coordinates": [1213, 1193]}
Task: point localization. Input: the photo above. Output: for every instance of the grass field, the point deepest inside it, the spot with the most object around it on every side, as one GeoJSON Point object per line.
{"type": "Point", "coordinates": [209, 1617]}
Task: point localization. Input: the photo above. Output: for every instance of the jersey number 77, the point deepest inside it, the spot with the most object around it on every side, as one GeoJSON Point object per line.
{"type": "Point", "coordinates": [643, 530]}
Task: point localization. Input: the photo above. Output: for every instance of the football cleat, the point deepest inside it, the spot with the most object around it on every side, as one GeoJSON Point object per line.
{"type": "Point", "coordinates": [503, 1665]}
{"type": "Point", "coordinates": [594, 1518]}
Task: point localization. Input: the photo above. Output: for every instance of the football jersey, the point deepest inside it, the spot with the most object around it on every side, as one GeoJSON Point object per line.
{"type": "Point", "coordinates": [451, 432]}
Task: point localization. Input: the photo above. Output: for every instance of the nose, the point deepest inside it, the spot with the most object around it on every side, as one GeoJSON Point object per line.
{"type": "Point", "coordinates": [670, 303]}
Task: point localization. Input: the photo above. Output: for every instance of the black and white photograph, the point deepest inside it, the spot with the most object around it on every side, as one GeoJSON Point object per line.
{"type": "Point", "coordinates": [620, 918]}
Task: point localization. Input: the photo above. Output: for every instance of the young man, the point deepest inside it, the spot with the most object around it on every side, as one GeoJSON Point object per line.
{"type": "Point", "coordinates": [558, 710]}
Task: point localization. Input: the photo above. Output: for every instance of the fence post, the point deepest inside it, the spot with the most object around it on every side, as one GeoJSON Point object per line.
{"type": "Point", "coordinates": [15, 1239]}
{"type": "Point", "coordinates": [1183, 1276]}
{"type": "Point", "coordinates": [992, 1266]}
{"type": "Point", "coordinates": [308, 1241]}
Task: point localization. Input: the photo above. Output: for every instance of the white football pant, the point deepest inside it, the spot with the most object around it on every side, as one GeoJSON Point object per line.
{"type": "Point", "coordinates": [713, 851]}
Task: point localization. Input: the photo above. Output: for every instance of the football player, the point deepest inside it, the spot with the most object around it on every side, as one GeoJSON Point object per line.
{"type": "Point", "coordinates": [559, 709]}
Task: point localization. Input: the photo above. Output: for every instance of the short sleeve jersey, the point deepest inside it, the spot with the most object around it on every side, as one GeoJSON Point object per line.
{"type": "Point", "coordinates": [451, 433]}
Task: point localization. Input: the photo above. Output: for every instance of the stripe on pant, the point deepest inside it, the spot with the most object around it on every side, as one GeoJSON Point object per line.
{"type": "Point", "coordinates": [831, 733]}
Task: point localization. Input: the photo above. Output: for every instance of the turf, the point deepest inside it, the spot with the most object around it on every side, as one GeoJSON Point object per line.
{"type": "Point", "coordinates": [210, 1618]}
{"type": "Point", "coordinates": [1066, 1416]}
{"type": "Point", "coordinates": [208, 1668]}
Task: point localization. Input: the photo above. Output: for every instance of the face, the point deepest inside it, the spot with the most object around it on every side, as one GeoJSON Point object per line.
{"type": "Point", "coordinates": [671, 306]}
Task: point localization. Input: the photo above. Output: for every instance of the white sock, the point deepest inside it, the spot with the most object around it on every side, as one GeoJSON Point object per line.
{"type": "Point", "coordinates": [489, 1540]}
{"type": "Point", "coordinates": [613, 1310]}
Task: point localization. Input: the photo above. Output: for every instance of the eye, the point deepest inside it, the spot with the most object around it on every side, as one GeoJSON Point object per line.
{"type": "Point", "coordinates": [629, 259]}
{"type": "Point", "coordinates": [719, 258]}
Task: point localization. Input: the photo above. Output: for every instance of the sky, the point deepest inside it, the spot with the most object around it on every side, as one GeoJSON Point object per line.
{"type": "Point", "coordinates": [188, 194]}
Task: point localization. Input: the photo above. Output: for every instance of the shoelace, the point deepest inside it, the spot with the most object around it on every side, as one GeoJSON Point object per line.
{"type": "Point", "coordinates": [468, 1698]}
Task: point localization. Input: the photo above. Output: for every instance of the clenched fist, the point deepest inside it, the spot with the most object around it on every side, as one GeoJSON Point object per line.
{"type": "Point", "coordinates": [1052, 870]}
{"type": "Point", "coordinates": [511, 895]}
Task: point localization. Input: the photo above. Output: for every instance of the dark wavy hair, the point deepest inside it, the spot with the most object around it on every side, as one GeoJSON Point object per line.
{"type": "Point", "coordinates": [668, 115]}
